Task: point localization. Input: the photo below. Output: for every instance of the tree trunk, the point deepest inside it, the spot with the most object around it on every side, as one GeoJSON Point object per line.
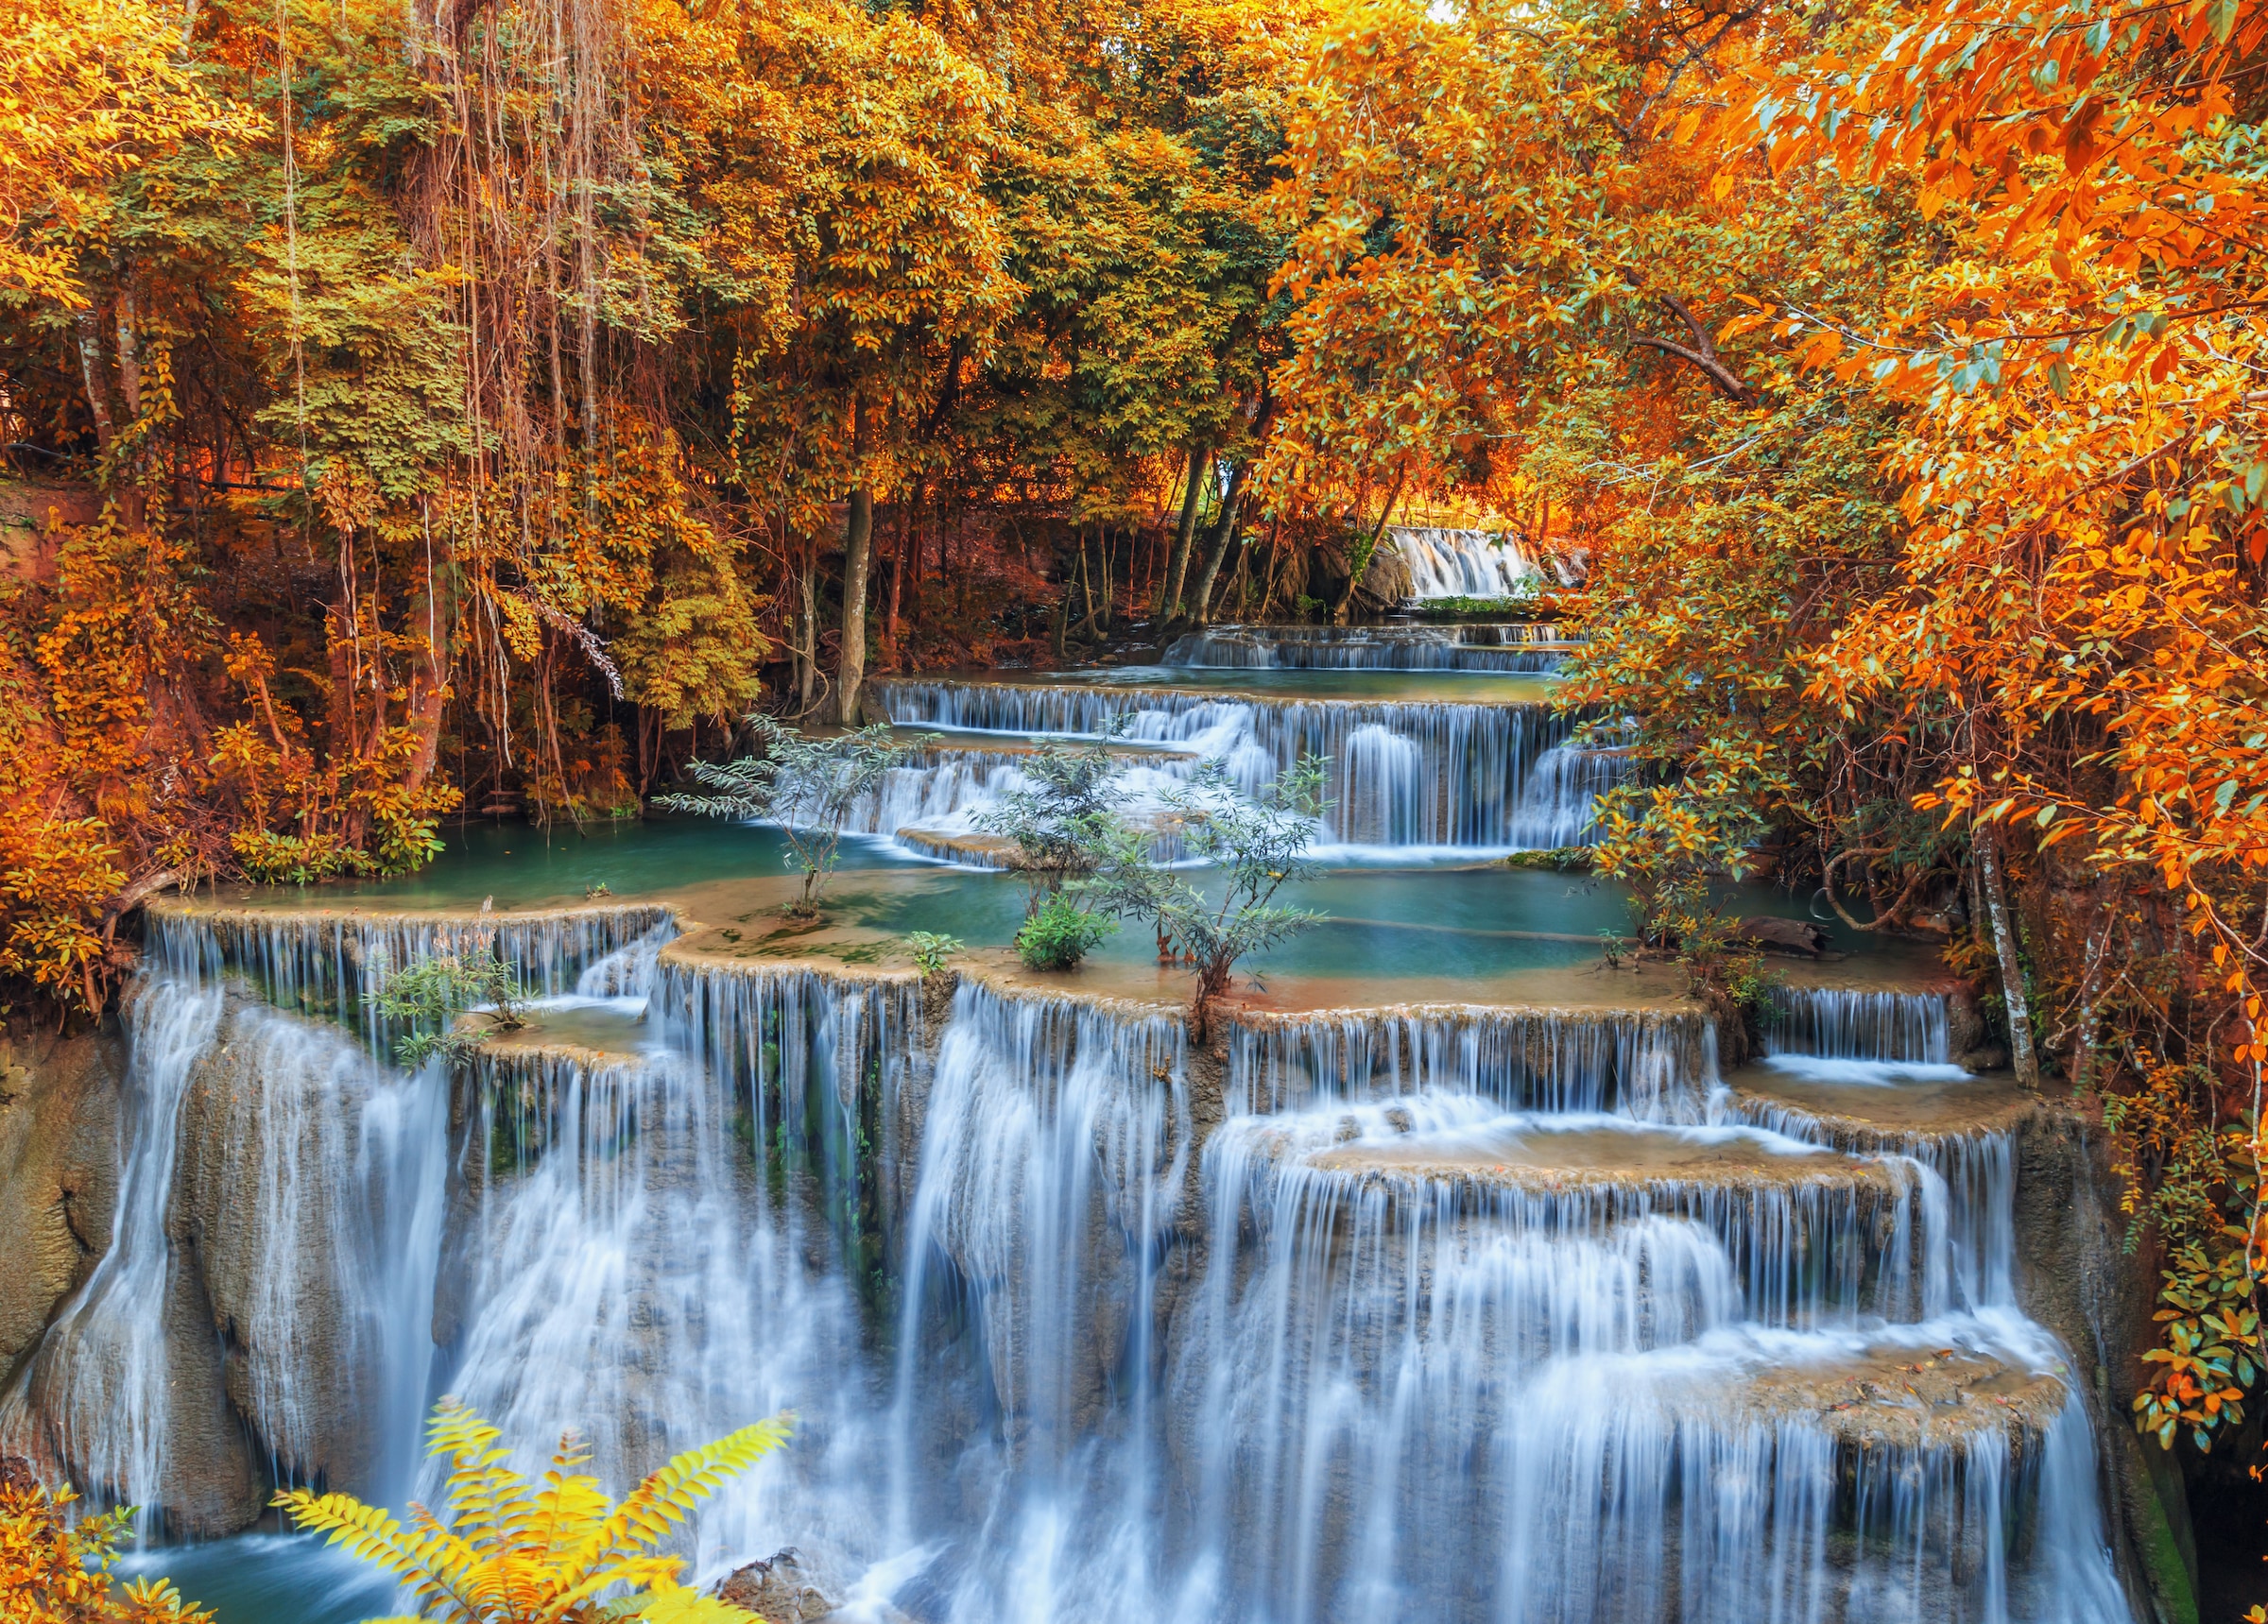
{"type": "Point", "coordinates": [1200, 464]}
{"type": "Point", "coordinates": [1988, 837]}
{"type": "Point", "coordinates": [858, 551]}
{"type": "Point", "coordinates": [1216, 545]}
{"type": "Point", "coordinates": [807, 653]}
{"type": "Point", "coordinates": [905, 539]}
{"type": "Point", "coordinates": [92, 370]}
{"type": "Point", "coordinates": [1360, 559]}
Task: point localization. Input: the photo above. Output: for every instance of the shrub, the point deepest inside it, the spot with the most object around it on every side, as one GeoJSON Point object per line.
{"type": "Point", "coordinates": [1064, 826]}
{"type": "Point", "coordinates": [931, 949]}
{"type": "Point", "coordinates": [806, 783]}
{"type": "Point", "coordinates": [511, 1551]}
{"type": "Point", "coordinates": [1059, 934]}
{"type": "Point", "coordinates": [431, 994]}
{"type": "Point", "coordinates": [1256, 846]}
{"type": "Point", "coordinates": [52, 1572]}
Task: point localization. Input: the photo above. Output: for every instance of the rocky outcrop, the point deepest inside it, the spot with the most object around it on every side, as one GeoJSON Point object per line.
{"type": "Point", "coordinates": [2074, 1275]}
{"type": "Point", "coordinates": [59, 1175]}
{"type": "Point", "coordinates": [777, 1591]}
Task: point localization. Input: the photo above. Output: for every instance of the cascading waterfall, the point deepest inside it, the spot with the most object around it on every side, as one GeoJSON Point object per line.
{"type": "Point", "coordinates": [97, 1394]}
{"type": "Point", "coordinates": [1844, 1023]}
{"type": "Point", "coordinates": [1057, 1140]}
{"type": "Point", "coordinates": [1651, 1064]}
{"type": "Point", "coordinates": [1511, 646]}
{"type": "Point", "coordinates": [308, 1177]}
{"type": "Point", "coordinates": [1473, 759]}
{"type": "Point", "coordinates": [1466, 563]}
{"type": "Point", "coordinates": [1451, 1313]}
{"type": "Point", "coordinates": [333, 964]}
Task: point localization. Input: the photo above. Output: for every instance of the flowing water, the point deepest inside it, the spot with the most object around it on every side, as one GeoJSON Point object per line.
{"type": "Point", "coordinates": [1475, 767]}
{"type": "Point", "coordinates": [1470, 564]}
{"type": "Point", "coordinates": [1513, 645]}
{"type": "Point", "coordinates": [1472, 1311]}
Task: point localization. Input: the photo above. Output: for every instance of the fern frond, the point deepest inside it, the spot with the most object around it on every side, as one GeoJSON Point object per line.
{"type": "Point", "coordinates": [682, 1604]}
{"type": "Point", "coordinates": [438, 1567]}
{"type": "Point", "coordinates": [645, 1517]}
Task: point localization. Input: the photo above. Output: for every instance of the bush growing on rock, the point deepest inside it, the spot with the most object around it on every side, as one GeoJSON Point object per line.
{"type": "Point", "coordinates": [1060, 935]}
{"type": "Point", "coordinates": [1256, 847]}
{"type": "Point", "coordinates": [806, 783]}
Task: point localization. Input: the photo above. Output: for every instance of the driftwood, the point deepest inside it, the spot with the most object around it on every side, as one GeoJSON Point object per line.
{"type": "Point", "coordinates": [1777, 936]}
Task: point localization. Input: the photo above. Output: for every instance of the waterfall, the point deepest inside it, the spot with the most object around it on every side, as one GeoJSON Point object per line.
{"type": "Point", "coordinates": [1513, 646]}
{"type": "Point", "coordinates": [1403, 1393]}
{"type": "Point", "coordinates": [308, 1179]}
{"type": "Point", "coordinates": [1842, 1023]}
{"type": "Point", "coordinates": [333, 964]}
{"type": "Point", "coordinates": [1465, 563]}
{"type": "Point", "coordinates": [97, 1396]}
{"type": "Point", "coordinates": [1466, 791]}
{"type": "Point", "coordinates": [1652, 1064]}
{"type": "Point", "coordinates": [1057, 1140]}
{"type": "Point", "coordinates": [1558, 802]}
{"type": "Point", "coordinates": [1469, 1313]}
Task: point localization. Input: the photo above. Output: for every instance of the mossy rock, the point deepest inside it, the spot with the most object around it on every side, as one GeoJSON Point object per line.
{"type": "Point", "coordinates": [1559, 860]}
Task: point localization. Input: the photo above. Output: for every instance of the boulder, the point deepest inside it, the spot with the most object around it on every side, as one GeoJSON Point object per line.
{"type": "Point", "coordinates": [777, 1590]}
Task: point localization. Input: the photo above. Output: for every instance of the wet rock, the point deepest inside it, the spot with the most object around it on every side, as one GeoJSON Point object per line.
{"type": "Point", "coordinates": [1775, 935]}
{"type": "Point", "coordinates": [264, 1200]}
{"type": "Point", "coordinates": [58, 1128]}
{"type": "Point", "coordinates": [777, 1590]}
{"type": "Point", "coordinates": [1984, 1057]}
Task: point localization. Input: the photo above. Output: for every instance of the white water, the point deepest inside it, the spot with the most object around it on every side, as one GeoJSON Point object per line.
{"type": "Point", "coordinates": [97, 1394]}
{"type": "Point", "coordinates": [1468, 564]}
{"type": "Point", "coordinates": [1510, 646]}
{"type": "Point", "coordinates": [1404, 776]}
{"type": "Point", "coordinates": [1460, 1314]}
{"type": "Point", "coordinates": [1119, 1364]}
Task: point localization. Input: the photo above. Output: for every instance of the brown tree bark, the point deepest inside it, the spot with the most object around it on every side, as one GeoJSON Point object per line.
{"type": "Point", "coordinates": [1200, 465]}
{"type": "Point", "coordinates": [1216, 545]}
{"type": "Point", "coordinates": [1987, 839]}
{"type": "Point", "coordinates": [858, 555]}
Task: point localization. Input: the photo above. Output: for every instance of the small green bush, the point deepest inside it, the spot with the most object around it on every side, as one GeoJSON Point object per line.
{"type": "Point", "coordinates": [931, 949]}
{"type": "Point", "coordinates": [1060, 935]}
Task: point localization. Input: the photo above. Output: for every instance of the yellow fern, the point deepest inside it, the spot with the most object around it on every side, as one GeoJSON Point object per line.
{"type": "Point", "coordinates": [553, 1552]}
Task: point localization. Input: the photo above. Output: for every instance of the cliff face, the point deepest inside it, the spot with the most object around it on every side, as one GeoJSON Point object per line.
{"type": "Point", "coordinates": [2074, 1275]}
{"type": "Point", "coordinates": [59, 1175]}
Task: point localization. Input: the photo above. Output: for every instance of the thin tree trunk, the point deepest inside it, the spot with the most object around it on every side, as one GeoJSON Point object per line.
{"type": "Point", "coordinates": [1988, 837]}
{"type": "Point", "coordinates": [1216, 545]}
{"type": "Point", "coordinates": [89, 323]}
{"type": "Point", "coordinates": [905, 539]}
{"type": "Point", "coordinates": [1200, 464]}
{"type": "Point", "coordinates": [858, 550]}
{"type": "Point", "coordinates": [1360, 561]}
{"type": "Point", "coordinates": [807, 654]}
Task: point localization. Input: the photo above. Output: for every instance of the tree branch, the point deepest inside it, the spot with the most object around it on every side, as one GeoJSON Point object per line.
{"type": "Point", "coordinates": [1725, 382]}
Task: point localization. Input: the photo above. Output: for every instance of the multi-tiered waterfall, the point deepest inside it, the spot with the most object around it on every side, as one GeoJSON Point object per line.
{"type": "Point", "coordinates": [1473, 765]}
{"type": "Point", "coordinates": [1510, 1309]}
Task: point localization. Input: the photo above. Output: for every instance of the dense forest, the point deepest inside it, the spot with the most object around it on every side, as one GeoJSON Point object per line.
{"type": "Point", "coordinates": [428, 409]}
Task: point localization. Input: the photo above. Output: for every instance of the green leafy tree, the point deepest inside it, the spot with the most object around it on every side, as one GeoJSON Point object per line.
{"type": "Point", "coordinates": [1256, 847]}
{"type": "Point", "coordinates": [431, 995]}
{"type": "Point", "coordinates": [512, 1551]}
{"type": "Point", "coordinates": [1062, 826]}
{"type": "Point", "coordinates": [806, 783]}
